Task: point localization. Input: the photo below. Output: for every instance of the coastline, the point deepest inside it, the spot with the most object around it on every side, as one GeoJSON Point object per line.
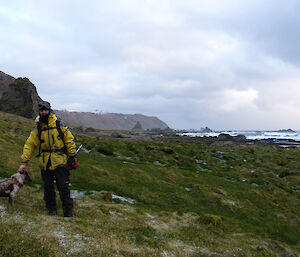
{"type": "Point", "coordinates": [173, 137]}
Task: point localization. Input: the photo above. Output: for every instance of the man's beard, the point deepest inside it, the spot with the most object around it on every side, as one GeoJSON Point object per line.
{"type": "Point", "coordinates": [44, 118]}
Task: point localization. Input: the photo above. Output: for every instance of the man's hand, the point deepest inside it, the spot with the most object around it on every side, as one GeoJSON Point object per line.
{"type": "Point", "coordinates": [71, 161]}
{"type": "Point", "coordinates": [22, 168]}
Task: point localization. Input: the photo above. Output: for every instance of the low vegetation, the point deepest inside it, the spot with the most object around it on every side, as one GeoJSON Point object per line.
{"type": "Point", "coordinates": [138, 198]}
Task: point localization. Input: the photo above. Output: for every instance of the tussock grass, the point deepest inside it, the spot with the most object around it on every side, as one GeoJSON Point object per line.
{"type": "Point", "coordinates": [190, 200]}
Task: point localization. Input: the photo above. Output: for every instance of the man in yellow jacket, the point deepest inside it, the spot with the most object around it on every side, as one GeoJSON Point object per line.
{"type": "Point", "coordinates": [56, 152]}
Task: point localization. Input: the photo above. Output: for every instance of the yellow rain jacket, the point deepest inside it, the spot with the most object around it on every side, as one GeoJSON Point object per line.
{"type": "Point", "coordinates": [53, 149]}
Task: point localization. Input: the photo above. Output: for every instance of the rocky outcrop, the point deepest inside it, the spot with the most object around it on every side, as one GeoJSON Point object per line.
{"type": "Point", "coordinates": [111, 120]}
{"type": "Point", "coordinates": [18, 96]}
{"type": "Point", "coordinates": [137, 126]}
{"type": "Point", "coordinates": [287, 130]}
{"type": "Point", "coordinates": [206, 130]}
{"type": "Point", "coordinates": [5, 81]}
{"type": "Point", "coordinates": [227, 137]}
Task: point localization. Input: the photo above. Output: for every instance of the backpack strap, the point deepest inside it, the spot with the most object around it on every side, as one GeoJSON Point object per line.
{"type": "Point", "coordinates": [60, 135]}
{"type": "Point", "coordinates": [39, 129]}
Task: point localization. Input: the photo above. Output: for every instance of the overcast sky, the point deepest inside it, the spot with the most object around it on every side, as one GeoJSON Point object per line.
{"type": "Point", "coordinates": [227, 64]}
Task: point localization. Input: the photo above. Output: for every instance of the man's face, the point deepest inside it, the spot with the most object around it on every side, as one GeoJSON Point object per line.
{"type": "Point", "coordinates": [44, 112]}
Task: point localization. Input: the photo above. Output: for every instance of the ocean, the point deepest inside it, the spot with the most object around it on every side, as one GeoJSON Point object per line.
{"type": "Point", "coordinates": [250, 134]}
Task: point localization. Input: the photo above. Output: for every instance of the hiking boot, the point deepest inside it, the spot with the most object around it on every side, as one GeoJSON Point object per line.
{"type": "Point", "coordinates": [52, 212]}
{"type": "Point", "coordinates": [69, 213]}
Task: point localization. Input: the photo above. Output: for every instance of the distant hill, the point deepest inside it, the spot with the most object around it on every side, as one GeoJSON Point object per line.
{"type": "Point", "coordinates": [111, 120]}
{"type": "Point", "coordinates": [18, 96]}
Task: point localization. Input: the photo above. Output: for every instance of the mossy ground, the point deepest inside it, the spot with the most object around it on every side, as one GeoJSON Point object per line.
{"type": "Point", "coordinates": [190, 200]}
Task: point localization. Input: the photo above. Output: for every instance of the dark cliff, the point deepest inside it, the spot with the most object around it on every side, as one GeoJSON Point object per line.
{"type": "Point", "coordinates": [18, 96]}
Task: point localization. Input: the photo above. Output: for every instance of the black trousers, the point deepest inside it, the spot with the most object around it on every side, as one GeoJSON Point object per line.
{"type": "Point", "coordinates": [62, 178]}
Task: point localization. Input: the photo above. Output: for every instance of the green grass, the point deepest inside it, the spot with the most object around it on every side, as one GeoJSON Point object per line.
{"type": "Point", "coordinates": [178, 188]}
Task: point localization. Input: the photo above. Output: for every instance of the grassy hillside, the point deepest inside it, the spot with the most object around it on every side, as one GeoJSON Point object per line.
{"type": "Point", "coordinates": [178, 200]}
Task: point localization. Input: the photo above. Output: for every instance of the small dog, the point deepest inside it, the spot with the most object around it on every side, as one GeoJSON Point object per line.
{"type": "Point", "coordinates": [10, 187]}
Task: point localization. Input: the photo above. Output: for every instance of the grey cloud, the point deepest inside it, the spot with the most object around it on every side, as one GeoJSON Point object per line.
{"type": "Point", "coordinates": [181, 61]}
{"type": "Point", "coordinates": [271, 26]}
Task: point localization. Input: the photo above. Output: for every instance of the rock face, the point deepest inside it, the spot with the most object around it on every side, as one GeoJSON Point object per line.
{"type": "Point", "coordinates": [18, 96]}
{"type": "Point", "coordinates": [111, 120]}
{"type": "Point", "coordinates": [5, 81]}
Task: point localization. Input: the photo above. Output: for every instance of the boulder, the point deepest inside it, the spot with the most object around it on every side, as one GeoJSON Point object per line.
{"type": "Point", "coordinates": [239, 138]}
{"type": "Point", "coordinates": [225, 137]}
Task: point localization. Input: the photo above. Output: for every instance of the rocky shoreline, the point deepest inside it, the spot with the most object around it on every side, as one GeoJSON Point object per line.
{"type": "Point", "coordinates": [226, 139]}
{"type": "Point", "coordinates": [169, 136]}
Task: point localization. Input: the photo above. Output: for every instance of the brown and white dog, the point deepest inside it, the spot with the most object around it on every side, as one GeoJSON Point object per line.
{"type": "Point", "coordinates": [10, 187]}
